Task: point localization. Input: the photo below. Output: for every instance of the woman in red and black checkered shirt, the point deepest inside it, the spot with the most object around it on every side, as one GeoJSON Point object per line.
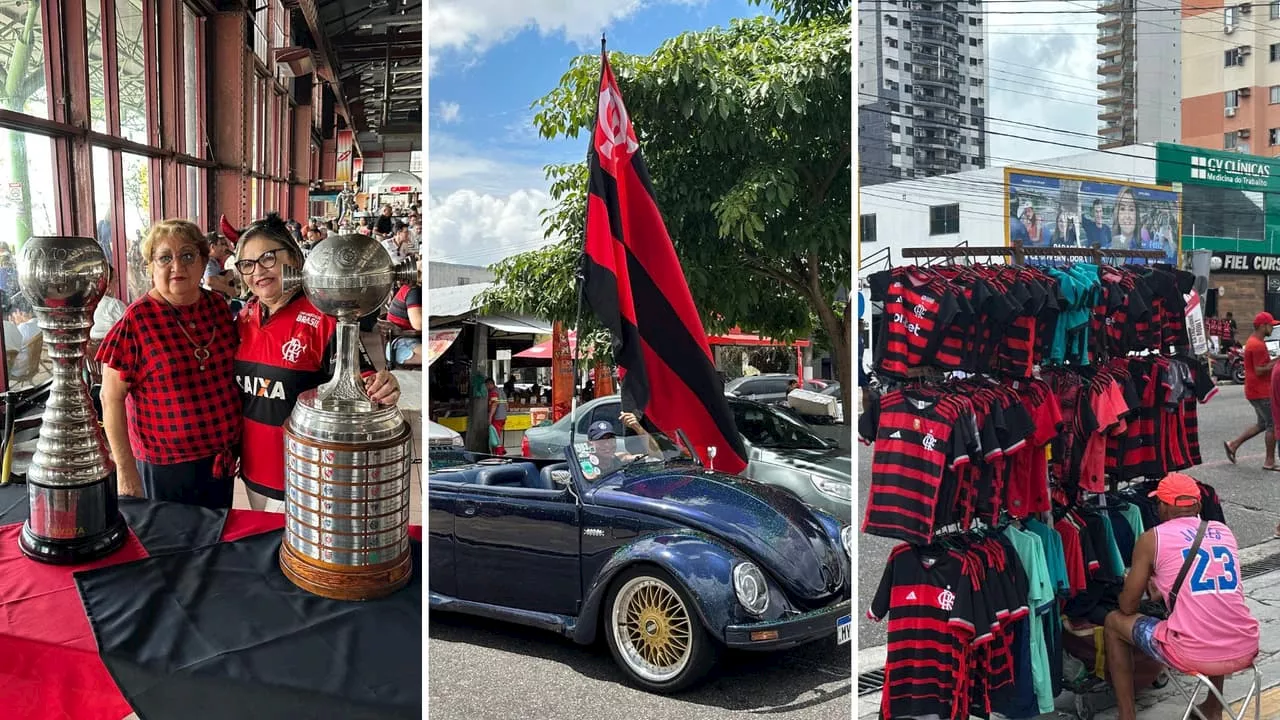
{"type": "Point", "coordinates": [287, 347]}
{"type": "Point", "coordinates": [169, 400]}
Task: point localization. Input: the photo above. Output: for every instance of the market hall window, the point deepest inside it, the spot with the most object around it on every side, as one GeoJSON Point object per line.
{"type": "Point", "coordinates": [944, 219]}
{"type": "Point", "coordinates": [132, 43]}
{"type": "Point", "coordinates": [97, 66]}
{"type": "Point", "coordinates": [22, 58]}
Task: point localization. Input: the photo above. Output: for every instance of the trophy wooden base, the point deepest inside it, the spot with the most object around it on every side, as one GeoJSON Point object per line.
{"type": "Point", "coordinates": [338, 582]}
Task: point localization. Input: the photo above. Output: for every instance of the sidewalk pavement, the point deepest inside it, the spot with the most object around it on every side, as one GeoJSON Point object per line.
{"type": "Point", "coordinates": [1167, 703]}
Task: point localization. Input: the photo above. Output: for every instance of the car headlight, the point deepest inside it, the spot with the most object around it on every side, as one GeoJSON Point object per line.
{"type": "Point", "coordinates": [832, 488]}
{"type": "Point", "coordinates": [846, 537]}
{"type": "Point", "coordinates": [458, 441]}
{"type": "Point", "coordinates": [750, 587]}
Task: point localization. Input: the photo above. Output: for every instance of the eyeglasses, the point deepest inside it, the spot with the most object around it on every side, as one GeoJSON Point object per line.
{"type": "Point", "coordinates": [186, 258]}
{"type": "Point", "coordinates": [266, 261]}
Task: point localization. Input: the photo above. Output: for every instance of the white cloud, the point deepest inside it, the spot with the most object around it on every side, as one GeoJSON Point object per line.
{"type": "Point", "coordinates": [458, 165]}
{"type": "Point", "coordinates": [470, 27]}
{"type": "Point", "coordinates": [449, 112]}
{"type": "Point", "coordinates": [1042, 74]}
{"type": "Point", "coordinates": [476, 228]}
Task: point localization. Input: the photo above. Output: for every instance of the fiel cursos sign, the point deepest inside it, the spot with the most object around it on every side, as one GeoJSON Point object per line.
{"type": "Point", "coordinates": [1197, 166]}
{"type": "Point", "coordinates": [1244, 263]}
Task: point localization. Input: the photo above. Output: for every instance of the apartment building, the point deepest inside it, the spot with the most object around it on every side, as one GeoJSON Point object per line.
{"type": "Point", "coordinates": [1231, 76]}
{"type": "Point", "coordinates": [1140, 52]}
{"type": "Point", "coordinates": [922, 88]}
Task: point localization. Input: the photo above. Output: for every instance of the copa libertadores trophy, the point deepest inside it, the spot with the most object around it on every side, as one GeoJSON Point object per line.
{"type": "Point", "coordinates": [347, 459]}
{"type": "Point", "coordinates": [71, 484]}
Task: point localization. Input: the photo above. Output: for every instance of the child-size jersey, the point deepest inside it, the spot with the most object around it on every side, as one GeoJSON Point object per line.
{"type": "Point", "coordinates": [279, 358]}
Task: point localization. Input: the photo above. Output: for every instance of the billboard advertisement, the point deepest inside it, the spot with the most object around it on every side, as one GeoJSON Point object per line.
{"type": "Point", "coordinates": [1050, 210]}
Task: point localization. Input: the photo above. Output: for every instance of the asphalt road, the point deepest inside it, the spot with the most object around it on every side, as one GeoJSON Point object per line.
{"type": "Point", "coordinates": [481, 670]}
{"type": "Point", "coordinates": [1250, 495]}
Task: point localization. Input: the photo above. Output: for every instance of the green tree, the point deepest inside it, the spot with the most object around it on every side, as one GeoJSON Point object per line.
{"type": "Point", "coordinates": [745, 131]}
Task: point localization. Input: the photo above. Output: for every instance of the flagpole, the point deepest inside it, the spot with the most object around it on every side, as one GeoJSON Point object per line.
{"type": "Point", "coordinates": [581, 275]}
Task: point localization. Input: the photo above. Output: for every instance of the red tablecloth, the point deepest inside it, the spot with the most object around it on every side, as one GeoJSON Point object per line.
{"type": "Point", "coordinates": [49, 663]}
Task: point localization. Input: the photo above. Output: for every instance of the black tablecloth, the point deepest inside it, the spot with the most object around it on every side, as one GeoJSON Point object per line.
{"type": "Point", "coordinates": [210, 628]}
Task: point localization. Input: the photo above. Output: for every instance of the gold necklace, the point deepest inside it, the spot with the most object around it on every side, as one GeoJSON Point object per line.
{"type": "Point", "coordinates": [201, 351]}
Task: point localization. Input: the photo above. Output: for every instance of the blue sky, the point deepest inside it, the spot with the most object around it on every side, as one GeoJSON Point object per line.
{"type": "Point", "coordinates": [489, 61]}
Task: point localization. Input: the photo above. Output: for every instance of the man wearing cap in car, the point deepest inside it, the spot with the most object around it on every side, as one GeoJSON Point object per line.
{"type": "Point", "coordinates": [1257, 390]}
{"type": "Point", "coordinates": [1210, 629]}
{"type": "Point", "coordinates": [604, 446]}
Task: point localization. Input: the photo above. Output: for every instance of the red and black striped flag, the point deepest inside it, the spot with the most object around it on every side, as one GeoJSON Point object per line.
{"type": "Point", "coordinates": [635, 286]}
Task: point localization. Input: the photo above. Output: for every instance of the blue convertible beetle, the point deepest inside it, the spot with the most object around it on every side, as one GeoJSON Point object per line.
{"type": "Point", "coordinates": [669, 560]}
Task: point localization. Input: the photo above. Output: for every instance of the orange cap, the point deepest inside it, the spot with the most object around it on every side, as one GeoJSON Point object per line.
{"type": "Point", "coordinates": [1178, 490]}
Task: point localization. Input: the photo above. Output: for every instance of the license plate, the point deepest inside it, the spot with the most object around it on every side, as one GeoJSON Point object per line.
{"type": "Point", "coordinates": [844, 629]}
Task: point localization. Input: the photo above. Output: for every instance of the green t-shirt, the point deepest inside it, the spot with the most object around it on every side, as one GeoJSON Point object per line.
{"type": "Point", "coordinates": [1040, 599]}
{"type": "Point", "coordinates": [1055, 556]}
{"type": "Point", "coordinates": [1113, 547]}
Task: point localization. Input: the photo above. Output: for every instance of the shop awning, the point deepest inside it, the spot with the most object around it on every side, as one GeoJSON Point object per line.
{"type": "Point", "coordinates": [396, 183]}
{"type": "Point", "coordinates": [438, 341]}
{"type": "Point", "coordinates": [542, 351]}
{"type": "Point", "coordinates": [515, 325]}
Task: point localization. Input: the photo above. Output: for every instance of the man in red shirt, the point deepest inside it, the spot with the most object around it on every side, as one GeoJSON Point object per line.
{"type": "Point", "coordinates": [1257, 389]}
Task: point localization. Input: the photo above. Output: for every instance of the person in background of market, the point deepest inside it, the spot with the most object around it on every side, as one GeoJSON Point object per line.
{"type": "Point", "coordinates": [286, 347]}
{"type": "Point", "coordinates": [1257, 390]}
{"type": "Point", "coordinates": [170, 407]}
{"type": "Point", "coordinates": [1235, 327]}
{"type": "Point", "coordinates": [1211, 630]}
{"type": "Point", "coordinates": [397, 244]}
{"type": "Point", "coordinates": [405, 312]}
{"type": "Point", "coordinates": [216, 276]}
{"type": "Point", "coordinates": [497, 416]}
{"type": "Point", "coordinates": [383, 225]}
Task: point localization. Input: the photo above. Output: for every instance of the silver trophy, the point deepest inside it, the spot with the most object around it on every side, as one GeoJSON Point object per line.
{"type": "Point", "coordinates": [347, 460]}
{"type": "Point", "coordinates": [71, 483]}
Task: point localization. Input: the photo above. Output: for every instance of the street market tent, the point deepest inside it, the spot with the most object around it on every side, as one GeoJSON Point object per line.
{"type": "Point", "coordinates": [542, 351]}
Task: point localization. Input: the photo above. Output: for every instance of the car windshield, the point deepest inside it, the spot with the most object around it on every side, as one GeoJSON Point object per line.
{"type": "Point", "coordinates": [601, 458]}
{"type": "Point", "coordinates": [765, 427]}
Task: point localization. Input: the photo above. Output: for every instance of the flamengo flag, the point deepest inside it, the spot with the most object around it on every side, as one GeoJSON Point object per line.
{"type": "Point", "coordinates": [635, 286]}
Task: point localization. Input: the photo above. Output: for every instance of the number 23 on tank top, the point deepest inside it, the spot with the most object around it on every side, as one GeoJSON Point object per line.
{"type": "Point", "coordinates": [1199, 579]}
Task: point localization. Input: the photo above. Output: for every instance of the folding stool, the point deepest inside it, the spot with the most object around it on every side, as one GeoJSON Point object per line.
{"type": "Point", "coordinates": [1197, 680]}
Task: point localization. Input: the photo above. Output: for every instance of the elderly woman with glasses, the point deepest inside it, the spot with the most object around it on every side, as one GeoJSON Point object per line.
{"type": "Point", "coordinates": [287, 347]}
{"type": "Point", "coordinates": [169, 405]}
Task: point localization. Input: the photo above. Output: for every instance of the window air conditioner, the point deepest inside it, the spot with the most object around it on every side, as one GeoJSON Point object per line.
{"type": "Point", "coordinates": [1245, 51]}
{"type": "Point", "coordinates": [1242, 133]}
{"type": "Point", "coordinates": [1245, 92]}
{"type": "Point", "coordinates": [1245, 8]}
{"type": "Point", "coordinates": [1231, 112]}
{"type": "Point", "coordinates": [1228, 29]}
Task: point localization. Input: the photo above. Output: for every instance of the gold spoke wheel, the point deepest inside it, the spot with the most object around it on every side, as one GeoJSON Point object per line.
{"type": "Point", "coordinates": [652, 629]}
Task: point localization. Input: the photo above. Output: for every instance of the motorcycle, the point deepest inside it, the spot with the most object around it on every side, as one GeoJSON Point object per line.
{"type": "Point", "coordinates": [1228, 365]}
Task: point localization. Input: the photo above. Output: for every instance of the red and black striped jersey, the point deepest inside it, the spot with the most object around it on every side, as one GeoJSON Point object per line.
{"type": "Point", "coordinates": [933, 619]}
{"type": "Point", "coordinates": [918, 439]}
{"type": "Point", "coordinates": [917, 311]}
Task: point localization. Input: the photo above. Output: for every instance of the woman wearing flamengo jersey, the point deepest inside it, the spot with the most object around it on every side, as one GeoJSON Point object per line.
{"type": "Point", "coordinates": [286, 348]}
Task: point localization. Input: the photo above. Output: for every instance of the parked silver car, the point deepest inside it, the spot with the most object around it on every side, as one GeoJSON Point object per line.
{"type": "Point", "coordinates": [766, 388]}
{"type": "Point", "coordinates": [781, 450]}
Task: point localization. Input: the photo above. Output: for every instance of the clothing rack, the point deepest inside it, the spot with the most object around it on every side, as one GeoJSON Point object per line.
{"type": "Point", "coordinates": [1018, 253]}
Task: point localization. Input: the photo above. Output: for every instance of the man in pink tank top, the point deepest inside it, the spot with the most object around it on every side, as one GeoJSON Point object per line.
{"type": "Point", "coordinates": [1211, 630]}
